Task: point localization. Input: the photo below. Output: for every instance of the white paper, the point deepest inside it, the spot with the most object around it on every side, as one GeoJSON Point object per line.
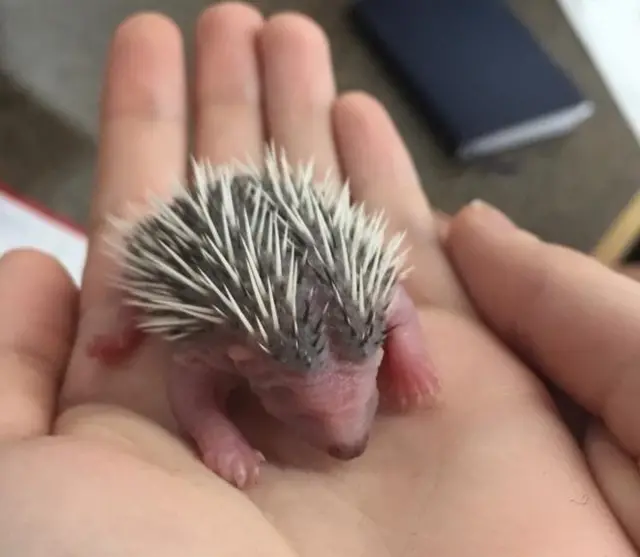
{"type": "Point", "coordinates": [610, 33]}
{"type": "Point", "coordinates": [22, 226]}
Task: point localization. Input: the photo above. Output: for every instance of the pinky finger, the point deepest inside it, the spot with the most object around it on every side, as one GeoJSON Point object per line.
{"type": "Point", "coordinates": [38, 304]}
{"type": "Point", "coordinates": [618, 477]}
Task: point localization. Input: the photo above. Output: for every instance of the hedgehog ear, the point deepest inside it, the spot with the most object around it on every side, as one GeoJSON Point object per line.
{"type": "Point", "coordinates": [239, 353]}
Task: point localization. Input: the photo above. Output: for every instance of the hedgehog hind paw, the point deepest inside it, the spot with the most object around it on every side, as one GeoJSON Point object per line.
{"type": "Point", "coordinates": [408, 391]}
{"type": "Point", "coordinates": [408, 377]}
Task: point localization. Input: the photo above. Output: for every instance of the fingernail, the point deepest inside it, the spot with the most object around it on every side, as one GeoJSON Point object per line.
{"type": "Point", "coordinates": [489, 216]}
{"type": "Point", "coordinates": [442, 225]}
{"type": "Point", "coordinates": [495, 220]}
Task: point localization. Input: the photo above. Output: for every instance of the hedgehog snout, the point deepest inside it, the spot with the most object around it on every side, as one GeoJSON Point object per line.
{"type": "Point", "coordinates": [333, 410]}
{"type": "Point", "coordinates": [349, 451]}
{"type": "Point", "coordinates": [342, 428]}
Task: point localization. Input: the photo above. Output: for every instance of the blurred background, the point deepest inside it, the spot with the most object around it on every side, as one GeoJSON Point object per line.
{"type": "Point", "coordinates": [52, 55]}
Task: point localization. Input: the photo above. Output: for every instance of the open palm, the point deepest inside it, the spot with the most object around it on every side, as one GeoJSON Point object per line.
{"type": "Point", "coordinates": [490, 471]}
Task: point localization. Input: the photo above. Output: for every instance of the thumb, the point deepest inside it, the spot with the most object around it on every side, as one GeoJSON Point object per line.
{"type": "Point", "coordinates": [37, 325]}
{"type": "Point", "coordinates": [577, 320]}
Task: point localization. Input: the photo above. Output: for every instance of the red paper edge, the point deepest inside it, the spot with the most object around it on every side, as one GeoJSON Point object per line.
{"type": "Point", "coordinates": [34, 205]}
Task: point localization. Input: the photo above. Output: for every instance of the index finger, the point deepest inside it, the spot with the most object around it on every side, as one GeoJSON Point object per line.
{"type": "Point", "coordinates": [143, 132]}
{"type": "Point", "coordinates": [576, 319]}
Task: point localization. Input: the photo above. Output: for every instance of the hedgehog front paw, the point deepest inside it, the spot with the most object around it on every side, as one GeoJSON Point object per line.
{"type": "Point", "coordinates": [234, 461]}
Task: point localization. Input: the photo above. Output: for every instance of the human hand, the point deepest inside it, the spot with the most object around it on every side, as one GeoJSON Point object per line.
{"type": "Point", "coordinates": [632, 270]}
{"type": "Point", "coordinates": [491, 470]}
{"type": "Point", "coordinates": [576, 322]}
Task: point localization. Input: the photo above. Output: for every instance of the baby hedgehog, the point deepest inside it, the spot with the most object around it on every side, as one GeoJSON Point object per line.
{"type": "Point", "coordinates": [259, 275]}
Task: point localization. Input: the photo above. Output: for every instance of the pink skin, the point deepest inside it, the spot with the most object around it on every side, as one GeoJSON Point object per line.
{"type": "Point", "coordinates": [111, 348]}
{"type": "Point", "coordinates": [407, 377]}
{"type": "Point", "coordinates": [331, 408]}
{"type": "Point", "coordinates": [198, 393]}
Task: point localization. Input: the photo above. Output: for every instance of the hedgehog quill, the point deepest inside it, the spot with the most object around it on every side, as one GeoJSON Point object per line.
{"type": "Point", "coordinates": [259, 275]}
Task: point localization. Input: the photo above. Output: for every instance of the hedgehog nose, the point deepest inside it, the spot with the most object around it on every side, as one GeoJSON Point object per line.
{"type": "Point", "coordinates": [348, 451]}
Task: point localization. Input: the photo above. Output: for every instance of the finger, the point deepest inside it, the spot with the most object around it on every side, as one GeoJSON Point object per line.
{"type": "Point", "coordinates": [632, 271]}
{"type": "Point", "coordinates": [382, 175]}
{"type": "Point", "coordinates": [442, 221]}
{"type": "Point", "coordinates": [228, 92]}
{"type": "Point", "coordinates": [577, 320]}
{"type": "Point", "coordinates": [618, 478]}
{"type": "Point", "coordinates": [143, 131]}
{"type": "Point", "coordinates": [299, 90]}
{"type": "Point", "coordinates": [38, 304]}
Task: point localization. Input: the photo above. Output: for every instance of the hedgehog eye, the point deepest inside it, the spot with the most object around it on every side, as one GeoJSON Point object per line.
{"type": "Point", "coordinates": [388, 329]}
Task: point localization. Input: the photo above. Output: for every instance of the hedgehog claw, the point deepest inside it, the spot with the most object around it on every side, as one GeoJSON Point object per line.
{"type": "Point", "coordinates": [238, 464]}
{"type": "Point", "coordinates": [239, 474]}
